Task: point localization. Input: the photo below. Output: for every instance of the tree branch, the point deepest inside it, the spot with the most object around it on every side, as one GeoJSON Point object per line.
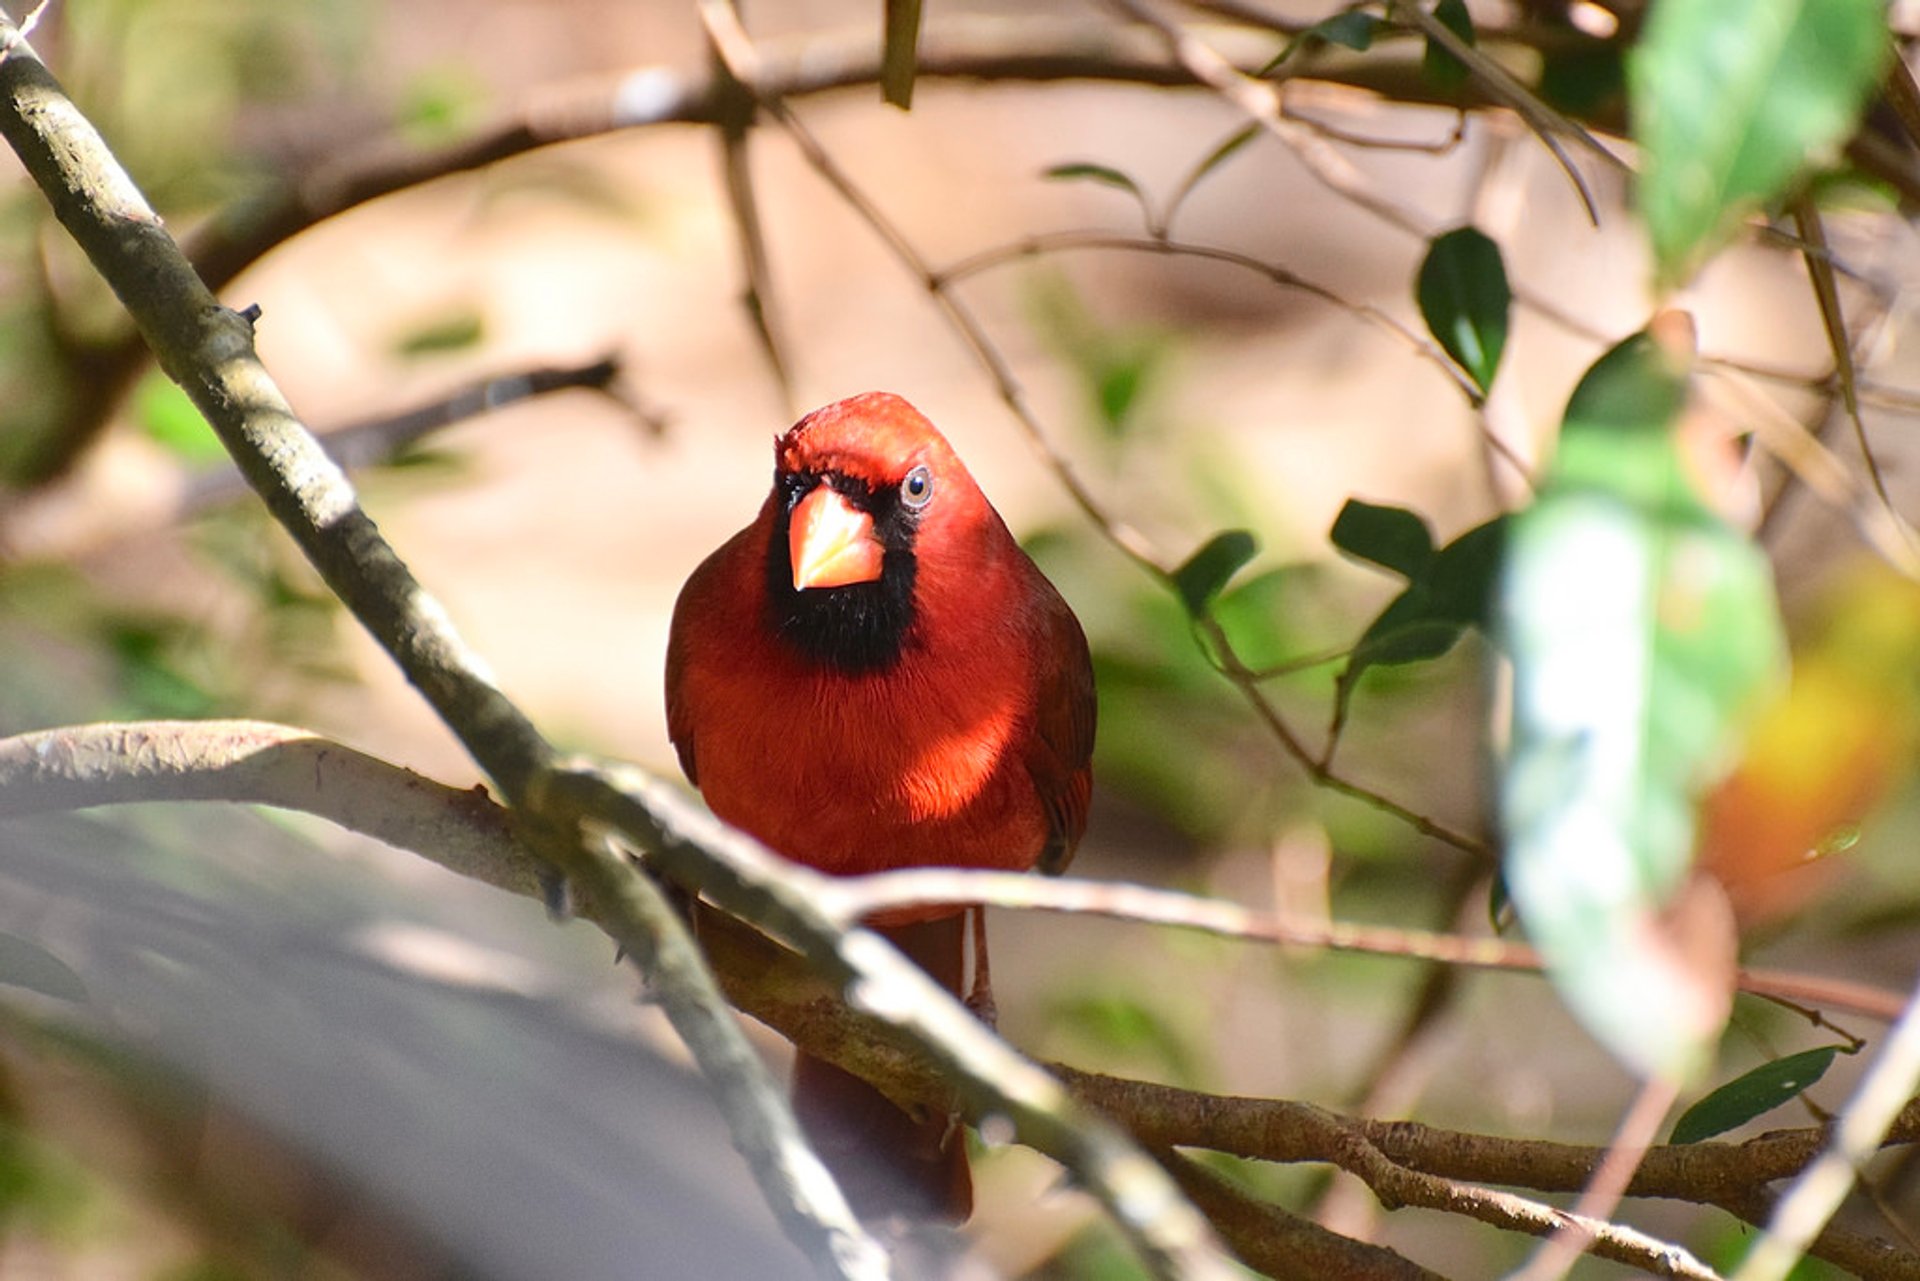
{"type": "Point", "coordinates": [208, 350]}
{"type": "Point", "coordinates": [1404, 1163]}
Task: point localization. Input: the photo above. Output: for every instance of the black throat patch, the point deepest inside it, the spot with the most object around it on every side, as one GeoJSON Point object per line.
{"type": "Point", "coordinates": [859, 627]}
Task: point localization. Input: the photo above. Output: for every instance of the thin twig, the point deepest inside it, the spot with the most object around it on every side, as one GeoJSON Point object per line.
{"type": "Point", "coordinates": [743, 202]}
{"type": "Point", "coordinates": [1500, 84]}
{"type": "Point", "coordinates": [1833, 320]}
{"type": "Point", "coordinates": [1878, 525]}
{"type": "Point", "coordinates": [1045, 243]}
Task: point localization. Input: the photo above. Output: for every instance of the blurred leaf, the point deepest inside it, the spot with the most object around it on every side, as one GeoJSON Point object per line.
{"type": "Point", "coordinates": [1465, 300]}
{"type": "Point", "coordinates": [1229, 147]}
{"type": "Point", "coordinates": [1353, 29]}
{"type": "Point", "coordinates": [1643, 634]}
{"type": "Point", "coordinates": [1754, 1093]}
{"type": "Point", "coordinates": [900, 52]}
{"type": "Point", "coordinates": [1442, 70]}
{"type": "Point", "coordinates": [1210, 568]}
{"type": "Point", "coordinates": [1117, 387]}
{"type": "Point", "coordinates": [26, 964]}
{"type": "Point", "coordinates": [1120, 1023]}
{"type": "Point", "coordinates": [1582, 77]}
{"type": "Point", "coordinates": [168, 417]}
{"type": "Point", "coordinates": [151, 680]}
{"type": "Point", "coordinates": [1732, 99]}
{"type": "Point", "coordinates": [439, 105]}
{"type": "Point", "coordinates": [455, 331]}
{"type": "Point", "coordinates": [1825, 753]}
{"type": "Point", "coordinates": [1391, 537]}
{"type": "Point", "coordinates": [1115, 365]}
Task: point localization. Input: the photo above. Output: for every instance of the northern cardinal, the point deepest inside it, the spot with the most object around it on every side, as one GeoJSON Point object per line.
{"type": "Point", "coordinates": [873, 675]}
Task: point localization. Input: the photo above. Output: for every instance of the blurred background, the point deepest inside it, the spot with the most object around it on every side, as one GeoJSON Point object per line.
{"type": "Point", "coordinates": [294, 1053]}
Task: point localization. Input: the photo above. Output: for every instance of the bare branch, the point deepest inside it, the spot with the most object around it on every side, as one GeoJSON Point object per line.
{"type": "Point", "coordinates": [1501, 85]}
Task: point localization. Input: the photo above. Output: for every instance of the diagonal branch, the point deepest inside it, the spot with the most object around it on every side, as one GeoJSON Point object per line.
{"type": "Point", "coordinates": [208, 350]}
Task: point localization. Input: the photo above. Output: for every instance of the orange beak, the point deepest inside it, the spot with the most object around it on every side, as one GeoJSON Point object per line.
{"type": "Point", "coordinates": [831, 542]}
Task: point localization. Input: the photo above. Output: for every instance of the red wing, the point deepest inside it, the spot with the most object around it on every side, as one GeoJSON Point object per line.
{"type": "Point", "coordinates": [1060, 759]}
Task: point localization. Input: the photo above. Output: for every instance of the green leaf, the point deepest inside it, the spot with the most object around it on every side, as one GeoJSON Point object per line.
{"type": "Point", "coordinates": [439, 105]}
{"type": "Point", "coordinates": [1391, 537]}
{"type": "Point", "coordinates": [1464, 297]}
{"type": "Point", "coordinates": [1642, 631]}
{"type": "Point", "coordinates": [454, 331]}
{"type": "Point", "coordinates": [1754, 1093]}
{"type": "Point", "coordinates": [1105, 175]}
{"type": "Point", "coordinates": [900, 52]}
{"type": "Point", "coordinates": [1442, 70]}
{"type": "Point", "coordinates": [1733, 99]}
{"type": "Point", "coordinates": [1209, 569]}
{"type": "Point", "coordinates": [1449, 593]}
{"type": "Point", "coordinates": [1121, 1023]}
{"type": "Point", "coordinates": [169, 418]}
{"type": "Point", "coordinates": [1583, 77]}
{"type": "Point", "coordinates": [1353, 29]}
{"type": "Point", "coordinates": [1228, 147]}
{"type": "Point", "coordinates": [27, 965]}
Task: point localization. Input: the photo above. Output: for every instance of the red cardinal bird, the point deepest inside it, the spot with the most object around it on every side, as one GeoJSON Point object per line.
{"type": "Point", "coordinates": [873, 675]}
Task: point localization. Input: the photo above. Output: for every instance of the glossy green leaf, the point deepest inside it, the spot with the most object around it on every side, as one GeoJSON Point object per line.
{"type": "Point", "coordinates": [1391, 537]}
{"type": "Point", "coordinates": [1210, 568]}
{"type": "Point", "coordinates": [1754, 1093]}
{"type": "Point", "coordinates": [1465, 300]}
{"type": "Point", "coordinates": [1642, 631]}
{"type": "Point", "coordinates": [26, 964]}
{"type": "Point", "coordinates": [1733, 100]}
{"type": "Point", "coordinates": [1448, 593]}
{"type": "Point", "coordinates": [1229, 147]}
{"type": "Point", "coordinates": [1354, 29]}
{"type": "Point", "coordinates": [1105, 175]}
{"type": "Point", "coordinates": [1442, 70]}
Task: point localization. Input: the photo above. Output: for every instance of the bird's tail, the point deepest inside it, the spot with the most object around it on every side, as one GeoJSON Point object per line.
{"type": "Point", "coordinates": [887, 1162]}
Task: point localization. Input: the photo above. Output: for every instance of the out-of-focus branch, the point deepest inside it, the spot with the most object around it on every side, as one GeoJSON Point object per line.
{"type": "Point", "coordinates": [208, 350]}
{"type": "Point", "coordinates": [56, 523]}
{"type": "Point", "coordinates": [1404, 1163]}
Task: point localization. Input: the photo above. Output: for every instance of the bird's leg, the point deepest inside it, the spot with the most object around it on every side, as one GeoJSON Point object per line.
{"type": "Point", "coordinates": [980, 995]}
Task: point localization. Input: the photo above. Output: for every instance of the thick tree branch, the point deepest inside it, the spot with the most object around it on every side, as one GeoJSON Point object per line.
{"type": "Point", "coordinates": [208, 350]}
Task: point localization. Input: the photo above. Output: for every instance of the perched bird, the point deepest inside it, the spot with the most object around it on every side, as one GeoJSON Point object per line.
{"type": "Point", "coordinates": [873, 675]}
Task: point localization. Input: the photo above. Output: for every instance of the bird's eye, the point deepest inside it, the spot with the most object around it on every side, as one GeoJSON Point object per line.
{"type": "Point", "coordinates": [916, 491]}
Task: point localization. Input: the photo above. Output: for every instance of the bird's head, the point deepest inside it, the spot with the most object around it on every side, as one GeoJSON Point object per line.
{"type": "Point", "coordinates": [861, 488]}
